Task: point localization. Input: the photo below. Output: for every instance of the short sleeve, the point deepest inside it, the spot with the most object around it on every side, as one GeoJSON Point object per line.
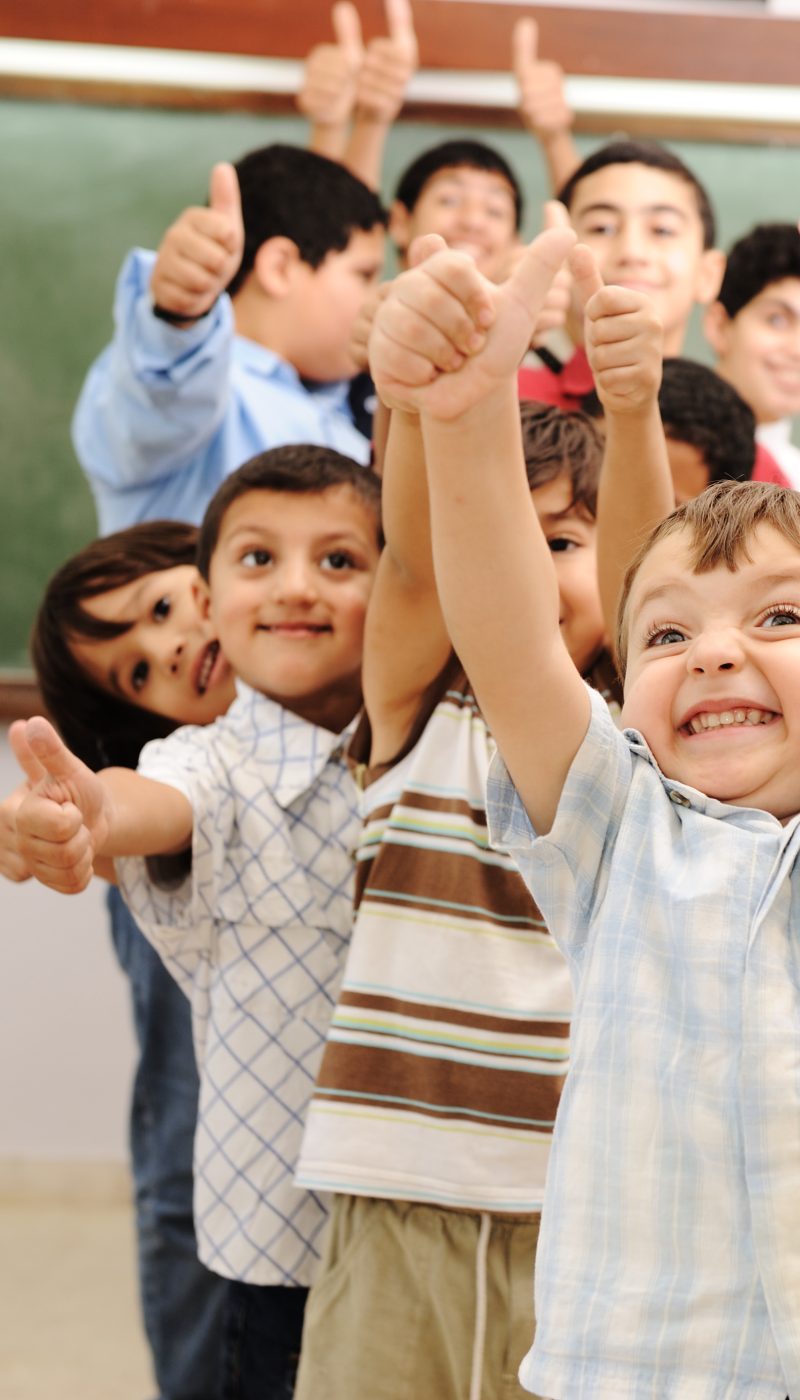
{"type": "Point", "coordinates": [180, 919]}
{"type": "Point", "coordinates": [565, 870]}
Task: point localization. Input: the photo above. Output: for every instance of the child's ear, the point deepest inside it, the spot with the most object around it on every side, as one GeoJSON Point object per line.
{"type": "Point", "coordinates": [275, 262]}
{"type": "Point", "coordinates": [400, 226]}
{"type": "Point", "coordinates": [202, 597]}
{"type": "Point", "coordinates": [709, 275]}
{"type": "Point", "coordinates": [716, 327]}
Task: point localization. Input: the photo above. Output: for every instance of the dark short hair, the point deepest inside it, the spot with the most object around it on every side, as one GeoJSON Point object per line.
{"type": "Point", "coordinates": [299, 468]}
{"type": "Point", "coordinates": [722, 521]}
{"type": "Point", "coordinates": [657, 157]}
{"type": "Point", "coordinates": [292, 193]}
{"type": "Point", "coordinates": [766, 254]}
{"type": "Point", "coordinates": [698, 406]}
{"type": "Point", "coordinates": [562, 444]}
{"type": "Point", "coordinates": [100, 727]}
{"type": "Point", "coordinates": [450, 155]}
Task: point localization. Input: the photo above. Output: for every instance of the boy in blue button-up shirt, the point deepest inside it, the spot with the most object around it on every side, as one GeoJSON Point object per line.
{"type": "Point", "coordinates": [233, 338]}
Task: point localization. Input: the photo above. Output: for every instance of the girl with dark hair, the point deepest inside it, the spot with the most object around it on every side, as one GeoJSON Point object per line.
{"type": "Point", "coordinates": [123, 656]}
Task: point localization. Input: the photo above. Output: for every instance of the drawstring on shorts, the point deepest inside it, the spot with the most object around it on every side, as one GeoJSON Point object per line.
{"type": "Point", "coordinates": [479, 1336]}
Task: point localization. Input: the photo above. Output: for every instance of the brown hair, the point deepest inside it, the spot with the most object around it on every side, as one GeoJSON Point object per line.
{"type": "Point", "coordinates": [101, 728]}
{"type": "Point", "coordinates": [298, 468]}
{"type": "Point", "coordinates": [557, 443]}
{"type": "Point", "coordinates": [721, 521]}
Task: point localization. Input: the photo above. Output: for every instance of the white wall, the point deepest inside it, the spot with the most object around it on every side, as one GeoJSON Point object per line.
{"type": "Point", "coordinates": [66, 1041]}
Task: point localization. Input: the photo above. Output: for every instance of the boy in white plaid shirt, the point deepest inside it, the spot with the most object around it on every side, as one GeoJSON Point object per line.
{"type": "Point", "coordinates": [663, 858]}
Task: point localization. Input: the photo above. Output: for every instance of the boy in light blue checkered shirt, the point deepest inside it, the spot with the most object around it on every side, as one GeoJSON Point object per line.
{"type": "Point", "coordinates": [663, 858]}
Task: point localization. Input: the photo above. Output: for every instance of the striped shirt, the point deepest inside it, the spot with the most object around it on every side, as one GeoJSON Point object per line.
{"type": "Point", "coordinates": [448, 1047]}
{"type": "Point", "coordinates": [257, 940]}
{"type": "Point", "coordinates": [669, 1258]}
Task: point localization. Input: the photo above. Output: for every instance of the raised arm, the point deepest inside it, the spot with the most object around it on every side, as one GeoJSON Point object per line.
{"type": "Point", "coordinates": [72, 816]}
{"type": "Point", "coordinates": [493, 568]}
{"type": "Point", "coordinates": [406, 641]}
{"type": "Point", "coordinates": [543, 106]}
{"type": "Point", "coordinates": [330, 80]}
{"type": "Point", "coordinates": [624, 342]}
{"type": "Point", "coordinates": [389, 63]}
{"type": "Point", "coordinates": [156, 395]}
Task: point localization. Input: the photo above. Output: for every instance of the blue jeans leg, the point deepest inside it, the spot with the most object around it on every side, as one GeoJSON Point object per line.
{"type": "Point", "coordinates": [263, 1329]}
{"type": "Point", "coordinates": [182, 1302]}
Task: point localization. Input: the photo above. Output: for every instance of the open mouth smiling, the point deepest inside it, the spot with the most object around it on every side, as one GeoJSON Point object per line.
{"type": "Point", "coordinates": [205, 667]}
{"type": "Point", "coordinates": [738, 716]}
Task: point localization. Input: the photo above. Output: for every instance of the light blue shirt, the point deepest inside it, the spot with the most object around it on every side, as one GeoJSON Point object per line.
{"type": "Point", "coordinates": [257, 938]}
{"type": "Point", "coordinates": [669, 1260]}
{"type": "Point", "coordinates": [165, 414]}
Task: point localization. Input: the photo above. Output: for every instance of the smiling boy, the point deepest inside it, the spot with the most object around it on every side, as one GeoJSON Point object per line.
{"type": "Point", "coordinates": [754, 327]}
{"type": "Point", "coordinates": [664, 859]}
{"type": "Point", "coordinates": [649, 222]}
{"type": "Point", "coordinates": [256, 935]}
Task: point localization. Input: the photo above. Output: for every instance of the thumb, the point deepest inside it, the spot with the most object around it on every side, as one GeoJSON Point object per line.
{"type": "Point", "coordinates": [586, 273]}
{"type": "Point", "coordinates": [424, 247]}
{"type": "Point", "coordinates": [24, 754]}
{"type": "Point", "coordinates": [224, 194]}
{"type": "Point", "coordinates": [556, 214]}
{"type": "Point", "coordinates": [347, 29]}
{"type": "Point", "coordinates": [50, 752]}
{"type": "Point", "coordinates": [533, 276]}
{"type": "Point", "coordinates": [400, 22]}
{"type": "Point", "coordinates": [524, 45]}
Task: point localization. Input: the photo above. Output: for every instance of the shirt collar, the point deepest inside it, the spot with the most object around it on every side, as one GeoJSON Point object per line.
{"type": "Point", "coordinates": [683, 797]}
{"type": "Point", "coordinates": [269, 365]}
{"type": "Point", "coordinates": [290, 752]}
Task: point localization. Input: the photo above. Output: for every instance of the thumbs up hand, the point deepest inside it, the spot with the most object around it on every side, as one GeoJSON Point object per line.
{"type": "Point", "coordinates": [389, 63]}
{"type": "Point", "coordinates": [623, 335]}
{"type": "Point", "coordinates": [63, 821]}
{"type": "Point", "coordinates": [542, 101]}
{"type": "Point", "coordinates": [445, 337]}
{"type": "Point", "coordinates": [201, 251]}
{"type": "Point", "coordinates": [331, 72]}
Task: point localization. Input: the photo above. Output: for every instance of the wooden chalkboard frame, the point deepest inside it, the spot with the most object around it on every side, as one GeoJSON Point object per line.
{"type": "Point", "coordinates": [460, 34]}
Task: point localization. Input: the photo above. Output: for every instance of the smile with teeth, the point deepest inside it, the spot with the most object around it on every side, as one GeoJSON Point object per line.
{"type": "Point", "coordinates": [207, 666]}
{"type": "Point", "coordinates": [722, 719]}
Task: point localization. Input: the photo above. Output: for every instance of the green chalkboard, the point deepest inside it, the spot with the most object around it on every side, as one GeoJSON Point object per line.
{"type": "Point", "coordinates": [81, 184]}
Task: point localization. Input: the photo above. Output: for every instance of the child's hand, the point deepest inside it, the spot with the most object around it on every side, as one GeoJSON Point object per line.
{"type": "Point", "coordinates": [201, 251]}
{"type": "Point", "coordinates": [445, 337]}
{"type": "Point", "coordinates": [12, 865]}
{"type": "Point", "coordinates": [358, 348]}
{"type": "Point", "coordinates": [388, 65]}
{"type": "Point", "coordinates": [63, 820]}
{"type": "Point", "coordinates": [542, 102]}
{"type": "Point", "coordinates": [624, 338]}
{"type": "Point", "coordinates": [330, 76]}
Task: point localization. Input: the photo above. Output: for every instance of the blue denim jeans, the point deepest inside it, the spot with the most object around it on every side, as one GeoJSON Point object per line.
{"type": "Point", "coordinates": [182, 1302]}
{"type": "Point", "coordinates": [263, 1329]}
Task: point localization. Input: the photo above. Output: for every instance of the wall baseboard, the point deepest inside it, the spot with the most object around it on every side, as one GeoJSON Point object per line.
{"type": "Point", "coordinates": [59, 1183]}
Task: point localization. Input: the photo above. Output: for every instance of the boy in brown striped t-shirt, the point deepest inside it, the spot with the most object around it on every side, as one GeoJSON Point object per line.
{"type": "Point", "coordinates": [433, 1111]}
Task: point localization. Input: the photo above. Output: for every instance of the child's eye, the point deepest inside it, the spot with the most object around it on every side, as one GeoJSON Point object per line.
{"type": "Point", "coordinates": [161, 609]}
{"type": "Point", "coordinates": [781, 615]}
{"type": "Point", "coordinates": [559, 544]}
{"type": "Point", "coordinates": [256, 558]}
{"type": "Point", "coordinates": [139, 675]}
{"type": "Point", "coordinates": [338, 560]}
{"type": "Point", "coordinates": [604, 228]}
{"type": "Point", "coordinates": [665, 634]}
{"type": "Point", "coordinates": [664, 231]}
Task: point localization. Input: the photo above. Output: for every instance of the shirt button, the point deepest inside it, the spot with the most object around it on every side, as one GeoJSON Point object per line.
{"type": "Point", "coordinates": [679, 798]}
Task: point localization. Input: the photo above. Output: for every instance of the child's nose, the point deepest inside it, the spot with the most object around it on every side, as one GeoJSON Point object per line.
{"type": "Point", "coordinates": [296, 581]}
{"type": "Point", "coordinates": [631, 240]}
{"type": "Point", "coordinates": [720, 651]}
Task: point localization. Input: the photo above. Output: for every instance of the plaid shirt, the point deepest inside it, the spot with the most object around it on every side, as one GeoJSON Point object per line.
{"type": "Point", "coordinates": [257, 939]}
{"type": "Point", "coordinates": [669, 1259]}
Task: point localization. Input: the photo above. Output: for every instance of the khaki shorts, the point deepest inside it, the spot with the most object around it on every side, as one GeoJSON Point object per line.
{"type": "Point", "coordinates": [394, 1312]}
